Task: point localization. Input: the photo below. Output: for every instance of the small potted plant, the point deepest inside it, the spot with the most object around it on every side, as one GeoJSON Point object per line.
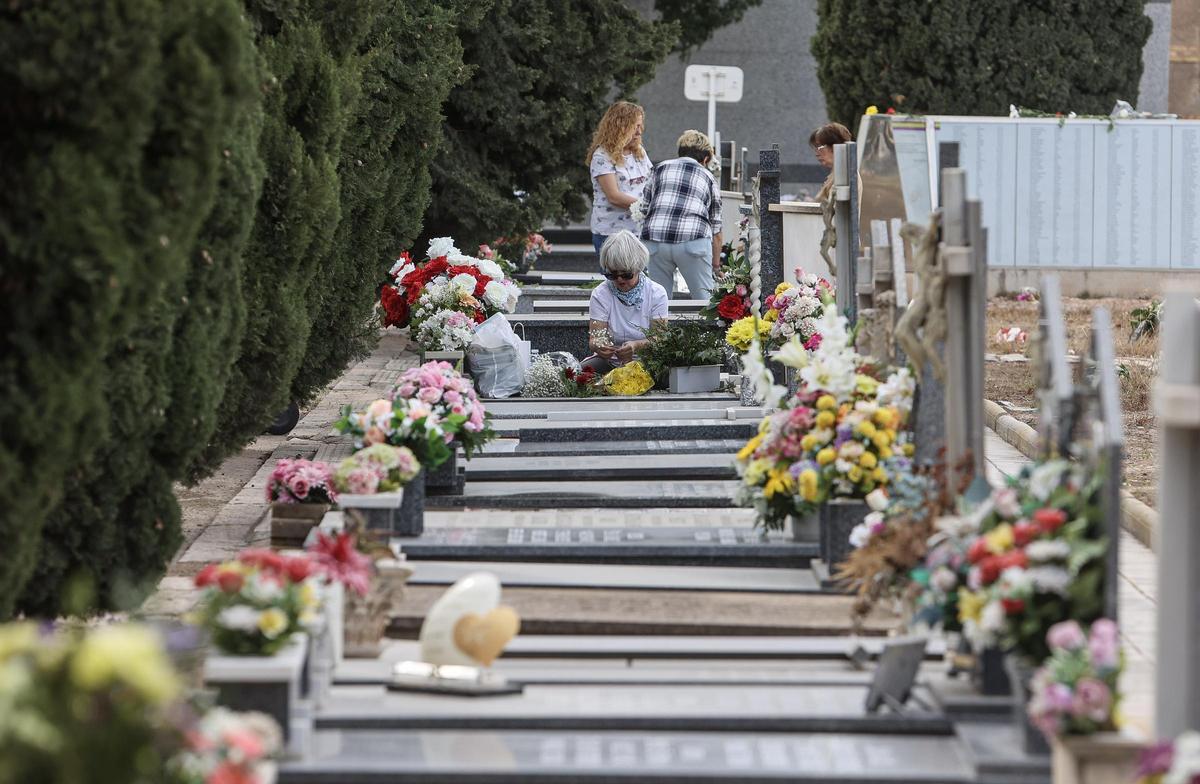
{"type": "Point", "coordinates": [1073, 701]}
{"type": "Point", "coordinates": [258, 610]}
{"type": "Point", "coordinates": [370, 485]}
{"type": "Point", "coordinates": [300, 493]}
{"type": "Point", "coordinates": [687, 353]}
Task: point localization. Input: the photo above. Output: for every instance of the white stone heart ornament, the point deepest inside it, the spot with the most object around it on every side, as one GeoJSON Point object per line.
{"type": "Point", "coordinates": [476, 594]}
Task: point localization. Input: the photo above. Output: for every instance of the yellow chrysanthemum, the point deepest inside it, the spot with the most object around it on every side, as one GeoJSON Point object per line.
{"type": "Point", "coordinates": [751, 446]}
{"type": "Point", "coordinates": [826, 456]}
{"type": "Point", "coordinates": [970, 605]}
{"type": "Point", "coordinates": [885, 417]}
{"type": "Point", "coordinates": [782, 287]}
{"type": "Point", "coordinates": [868, 460]}
{"type": "Point", "coordinates": [885, 452]}
{"type": "Point", "coordinates": [825, 419]}
{"type": "Point", "coordinates": [865, 428]}
{"type": "Point", "coordinates": [630, 379]}
{"type": "Point", "coordinates": [128, 653]}
{"type": "Point", "coordinates": [872, 110]}
{"type": "Point", "coordinates": [272, 622]}
{"type": "Point", "coordinates": [826, 403]}
{"type": "Point", "coordinates": [741, 333]}
{"type": "Point", "coordinates": [808, 484]}
{"type": "Point", "coordinates": [880, 475]}
{"type": "Point", "coordinates": [865, 384]}
{"type": "Point", "coordinates": [809, 442]}
{"type": "Point", "coordinates": [1000, 539]}
{"type": "Point", "coordinates": [882, 441]}
{"type": "Point", "coordinates": [778, 481]}
{"type": "Point", "coordinates": [855, 474]}
{"type": "Point", "coordinates": [908, 449]}
{"type": "Point", "coordinates": [771, 316]}
{"type": "Point", "coordinates": [756, 471]}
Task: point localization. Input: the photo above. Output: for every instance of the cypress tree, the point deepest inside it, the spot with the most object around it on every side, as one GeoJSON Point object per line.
{"type": "Point", "coordinates": [978, 56]}
{"type": "Point", "coordinates": [544, 72]}
{"type": "Point", "coordinates": [184, 187]}
{"type": "Point", "coordinates": [409, 59]}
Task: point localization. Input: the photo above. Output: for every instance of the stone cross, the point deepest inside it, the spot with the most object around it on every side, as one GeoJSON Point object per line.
{"type": "Point", "coordinates": [876, 295]}
{"type": "Point", "coordinates": [1177, 404]}
{"type": "Point", "coordinates": [845, 186]}
{"type": "Point", "coordinates": [770, 223]}
{"type": "Point", "coordinates": [1083, 421]}
{"type": "Point", "coordinates": [965, 302]}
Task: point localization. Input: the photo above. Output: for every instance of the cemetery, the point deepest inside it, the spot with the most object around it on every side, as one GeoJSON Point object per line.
{"type": "Point", "coordinates": [908, 496]}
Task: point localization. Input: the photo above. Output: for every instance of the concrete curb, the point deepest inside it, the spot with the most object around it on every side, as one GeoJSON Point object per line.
{"type": "Point", "coordinates": [1136, 517]}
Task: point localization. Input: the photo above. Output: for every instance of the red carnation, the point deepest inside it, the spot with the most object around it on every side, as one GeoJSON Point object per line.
{"type": "Point", "coordinates": [229, 580]}
{"type": "Point", "coordinates": [1016, 558]}
{"type": "Point", "coordinates": [1024, 533]}
{"type": "Point", "coordinates": [299, 569]}
{"type": "Point", "coordinates": [978, 551]}
{"type": "Point", "coordinates": [990, 568]}
{"type": "Point", "coordinates": [207, 575]}
{"type": "Point", "coordinates": [1013, 606]}
{"type": "Point", "coordinates": [267, 560]}
{"type": "Point", "coordinates": [435, 267]}
{"type": "Point", "coordinates": [731, 307]}
{"type": "Point", "coordinates": [395, 307]}
{"type": "Point", "coordinates": [1050, 520]}
{"type": "Point", "coordinates": [569, 373]}
{"type": "Point", "coordinates": [478, 316]}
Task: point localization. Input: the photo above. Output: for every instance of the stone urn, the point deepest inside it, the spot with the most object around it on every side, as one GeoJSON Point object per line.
{"type": "Point", "coordinates": [291, 523]}
{"type": "Point", "coordinates": [366, 618]}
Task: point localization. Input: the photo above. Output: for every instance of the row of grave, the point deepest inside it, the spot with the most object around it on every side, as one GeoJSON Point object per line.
{"type": "Point", "coordinates": [663, 639]}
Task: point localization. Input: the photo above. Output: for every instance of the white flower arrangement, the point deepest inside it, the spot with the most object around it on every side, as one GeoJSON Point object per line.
{"type": "Point", "coordinates": [544, 379]}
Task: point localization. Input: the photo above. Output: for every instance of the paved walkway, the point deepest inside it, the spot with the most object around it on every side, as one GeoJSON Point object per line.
{"type": "Point", "coordinates": [1136, 601]}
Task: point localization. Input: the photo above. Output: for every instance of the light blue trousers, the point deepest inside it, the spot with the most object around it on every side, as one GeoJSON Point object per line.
{"type": "Point", "coordinates": [693, 260]}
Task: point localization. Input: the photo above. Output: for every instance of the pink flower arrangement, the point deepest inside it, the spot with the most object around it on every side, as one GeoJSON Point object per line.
{"type": "Point", "coordinates": [232, 748]}
{"type": "Point", "coordinates": [1075, 691]}
{"type": "Point", "coordinates": [445, 392]}
{"type": "Point", "coordinates": [301, 482]}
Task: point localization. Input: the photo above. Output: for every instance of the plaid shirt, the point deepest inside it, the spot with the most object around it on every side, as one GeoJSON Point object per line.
{"type": "Point", "coordinates": [681, 203]}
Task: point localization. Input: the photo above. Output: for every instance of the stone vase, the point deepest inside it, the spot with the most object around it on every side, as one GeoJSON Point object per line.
{"type": "Point", "coordinates": [446, 479]}
{"type": "Point", "coordinates": [366, 618]}
{"type": "Point", "coordinates": [291, 523]}
{"type": "Point", "coordinates": [991, 674]}
{"type": "Point", "coordinates": [1020, 674]}
{"type": "Point", "coordinates": [378, 515]}
{"type": "Point", "coordinates": [805, 527]}
{"type": "Point", "coordinates": [411, 518]}
{"type": "Point", "coordinates": [838, 516]}
{"type": "Point", "coordinates": [1103, 758]}
{"type": "Point", "coordinates": [276, 685]}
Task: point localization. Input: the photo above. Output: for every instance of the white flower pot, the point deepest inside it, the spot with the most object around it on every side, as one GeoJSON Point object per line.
{"type": "Point", "coordinates": [275, 685]}
{"type": "Point", "coordinates": [379, 511]}
{"type": "Point", "coordinates": [697, 378]}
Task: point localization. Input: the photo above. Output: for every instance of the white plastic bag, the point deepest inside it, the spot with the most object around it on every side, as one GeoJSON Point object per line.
{"type": "Point", "coordinates": [497, 358]}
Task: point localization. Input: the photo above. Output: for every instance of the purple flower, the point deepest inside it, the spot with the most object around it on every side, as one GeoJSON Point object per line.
{"type": "Point", "coordinates": [1156, 760]}
{"type": "Point", "coordinates": [1066, 636]}
{"type": "Point", "coordinates": [1058, 697]}
{"type": "Point", "coordinates": [1093, 700]}
{"type": "Point", "coordinates": [844, 434]}
{"type": "Point", "coordinates": [1104, 645]}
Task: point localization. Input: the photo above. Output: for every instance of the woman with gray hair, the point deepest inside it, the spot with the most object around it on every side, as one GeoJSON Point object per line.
{"type": "Point", "coordinates": [623, 307]}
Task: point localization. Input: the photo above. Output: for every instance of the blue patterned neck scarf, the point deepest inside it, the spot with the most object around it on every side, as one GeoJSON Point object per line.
{"type": "Point", "coordinates": [633, 297]}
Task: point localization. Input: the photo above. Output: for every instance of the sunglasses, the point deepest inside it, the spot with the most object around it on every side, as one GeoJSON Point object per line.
{"type": "Point", "coordinates": [620, 275]}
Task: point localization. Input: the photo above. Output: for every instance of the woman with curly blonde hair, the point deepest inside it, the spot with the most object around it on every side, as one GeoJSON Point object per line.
{"type": "Point", "coordinates": [620, 169]}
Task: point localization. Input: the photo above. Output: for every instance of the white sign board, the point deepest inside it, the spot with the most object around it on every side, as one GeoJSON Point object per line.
{"type": "Point", "coordinates": [722, 83]}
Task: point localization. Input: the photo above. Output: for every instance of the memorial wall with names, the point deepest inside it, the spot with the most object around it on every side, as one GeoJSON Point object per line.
{"type": "Point", "coordinates": [1077, 193]}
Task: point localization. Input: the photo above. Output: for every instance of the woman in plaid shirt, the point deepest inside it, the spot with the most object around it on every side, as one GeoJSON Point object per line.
{"type": "Point", "coordinates": [682, 227]}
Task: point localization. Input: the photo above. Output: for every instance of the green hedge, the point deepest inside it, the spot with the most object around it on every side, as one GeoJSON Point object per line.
{"type": "Point", "coordinates": [144, 107]}
{"type": "Point", "coordinates": [410, 58]}
{"type": "Point", "coordinates": [544, 72]}
{"type": "Point", "coordinates": [978, 56]}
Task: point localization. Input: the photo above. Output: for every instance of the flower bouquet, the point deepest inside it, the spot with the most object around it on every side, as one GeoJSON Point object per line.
{"type": "Point", "coordinates": [371, 481]}
{"type": "Point", "coordinates": [524, 251]}
{"type": "Point", "coordinates": [227, 747]}
{"type": "Point", "coordinates": [442, 298]}
{"type": "Point", "coordinates": [429, 408]}
{"type": "Point", "coordinates": [1075, 691]}
{"type": "Point", "coordinates": [1027, 558]}
{"type": "Point", "coordinates": [836, 438]}
{"type": "Point", "coordinates": [87, 705]}
{"type": "Point", "coordinates": [630, 379]}
{"type": "Point", "coordinates": [730, 299]}
{"type": "Point", "coordinates": [375, 581]}
{"type": "Point", "coordinates": [253, 606]}
{"type": "Point", "coordinates": [795, 311]}
{"type": "Point", "coordinates": [300, 493]}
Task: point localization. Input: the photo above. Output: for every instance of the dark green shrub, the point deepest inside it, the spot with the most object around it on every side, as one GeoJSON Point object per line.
{"type": "Point", "coordinates": [410, 59]}
{"type": "Point", "coordinates": [544, 72]}
{"type": "Point", "coordinates": [682, 343]}
{"type": "Point", "coordinates": [180, 146]}
{"type": "Point", "coordinates": [978, 56]}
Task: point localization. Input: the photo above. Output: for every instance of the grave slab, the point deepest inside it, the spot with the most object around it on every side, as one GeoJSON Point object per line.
{"type": "Point", "coordinates": [581, 305]}
{"type": "Point", "coordinates": [600, 612]}
{"type": "Point", "coordinates": [679, 546]}
{"type": "Point", "coordinates": [521, 757]}
{"type": "Point", "coordinates": [657, 577]}
{"type": "Point", "coordinates": [706, 707]}
{"type": "Point", "coordinates": [589, 467]}
{"type": "Point", "coordinates": [514, 448]}
{"type": "Point", "coordinates": [574, 494]}
{"type": "Point", "coordinates": [649, 401]}
{"type": "Point", "coordinates": [539, 431]}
